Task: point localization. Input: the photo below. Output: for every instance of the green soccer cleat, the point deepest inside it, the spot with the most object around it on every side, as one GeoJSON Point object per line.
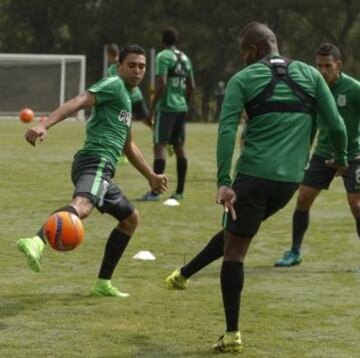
{"type": "Point", "coordinates": [104, 288]}
{"type": "Point", "coordinates": [149, 196]}
{"type": "Point", "coordinates": [177, 196]}
{"type": "Point", "coordinates": [123, 160]}
{"type": "Point", "coordinates": [229, 342]}
{"type": "Point", "coordinates": [176, 281]}
{"type": "Point", "coordinates": [290, 258]}
{"type": "Point", "coordinates": [32, 249]}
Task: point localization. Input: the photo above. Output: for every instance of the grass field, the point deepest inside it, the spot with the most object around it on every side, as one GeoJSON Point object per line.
{"type": "Point", "coordinates": [312, 310]}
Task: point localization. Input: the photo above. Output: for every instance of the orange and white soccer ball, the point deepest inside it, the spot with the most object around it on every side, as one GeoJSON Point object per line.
{"type": "Point", "coordinates": [26, 115]}
{"type": "Point", "coordinates": [64, 231]}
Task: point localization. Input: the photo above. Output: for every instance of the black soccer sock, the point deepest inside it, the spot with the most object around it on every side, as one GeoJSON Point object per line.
{"type": "Point", "coordinates": [159, 166]}
{"type": "Point", "coordinates": [232, 281]}
{"type": "Point", "coordinates": [358, 226]}
{"type": "Point", "coordinates": [181, 165]}
{"type": "Point", "coordinates": [211, 252]}
{"type": "Point", "coordinates": [300, 225]}
{"type": "Point", "coordinates": [114, 249]}
{"type": "Point", "coordinates": [67, 208]}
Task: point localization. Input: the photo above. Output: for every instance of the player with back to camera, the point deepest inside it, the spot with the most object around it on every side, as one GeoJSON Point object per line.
{"type": "Point", "coordinates": [318, 176]}
{"type": "Point", "coordinates": [281, 98]}
{"type": "Point", "coordinates": [108, 134]}
{"type": "Point", "coordinates": [174, 87]}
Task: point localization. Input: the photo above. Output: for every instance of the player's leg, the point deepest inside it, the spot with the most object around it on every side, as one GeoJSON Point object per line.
{"type": "Point", "coordinates": [257, 199]}
{"type": "Point", "coordinates": [352, 185]}
{"type": "Point", "coordinates": [164, 122]}
{"type": "Point", "coordinates": [317, 177]}
{"type": "Point", "coordinates": [178, 140]}
{"type": "Point", "coordinates": [81, 206]}
{"type": "Point", "coordinates": [117, 205]}
{"type": "Point", "coordinates": [214, 249]}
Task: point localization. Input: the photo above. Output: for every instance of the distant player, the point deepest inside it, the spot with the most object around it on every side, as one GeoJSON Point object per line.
{"type": "Point", "coordinates": [174, 88]}
{"type": "Point", "coordinates": [318, 176]}
{"type": "Point", "coordinates": [281, 98]}
{"type": "Point", "coordinates": [139, 107]}
{"type": "Point", "coordinates": [108, 134]}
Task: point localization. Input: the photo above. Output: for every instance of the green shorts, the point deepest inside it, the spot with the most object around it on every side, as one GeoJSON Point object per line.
{"type": "Point", "coordinates": [92, 177]}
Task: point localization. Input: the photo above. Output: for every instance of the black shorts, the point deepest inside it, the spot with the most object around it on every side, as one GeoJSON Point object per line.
{"type": "Point", "coordinates": [170, 128]}
{"type": "Point", "coordinates": [256, 200]}
{"type": "Point", "coordinates": [320, 176]}
{"type": "Point", "coordinates": [92, 177]}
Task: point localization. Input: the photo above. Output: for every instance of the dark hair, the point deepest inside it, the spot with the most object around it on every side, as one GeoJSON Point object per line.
{"type": "Point", "coordinates": [127, 50]}
{"type": "Point", "coordinates": [256, 32]}
{"type": "Point", "coordinates": [170, 36]}
{"type": "Point", "coordinates": [112, 49]}
{"type": "Point", "coordinates": [329, 49]}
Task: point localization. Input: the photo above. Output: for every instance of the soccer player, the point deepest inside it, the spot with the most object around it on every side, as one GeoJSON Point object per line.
{"type": "Point", "coordinates": [318, 176]}
{"type": "Point", "coordinates": [108, 134]}
{"type": "Point", "coordinates": [281, 98]}
{"type": "Point", "coordinates": [174, 88]}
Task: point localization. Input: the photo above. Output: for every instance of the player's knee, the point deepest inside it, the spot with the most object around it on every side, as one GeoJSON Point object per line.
{"type": "Point", "coordinates": [130, 224]}
{"type": "Point", "coordinates": [304, 201]}
{"type": "Point", "coordinates": [354, 206]}
{"type": "Point", "coordinates": [83, 206]}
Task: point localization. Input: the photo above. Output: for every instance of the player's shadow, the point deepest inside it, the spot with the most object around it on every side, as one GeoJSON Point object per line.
{"type": "Point", "coordinates": [148, 347]}
{"type": "Point", "coordinates": [271, 270]}
{"type": "Point", "coordinates": [12, 305]}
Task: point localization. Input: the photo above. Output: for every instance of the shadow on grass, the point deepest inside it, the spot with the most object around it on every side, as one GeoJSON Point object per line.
{"type": "Point", "coordinates": [149, 348]}
{"type": "Point", "coordinates": [12, 305]}
{"type": "Point", "coordinates": [296, 270]}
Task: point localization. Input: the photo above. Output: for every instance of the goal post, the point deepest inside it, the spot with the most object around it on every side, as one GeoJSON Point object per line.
{"type": "Point", "coordinates": [40, 82]}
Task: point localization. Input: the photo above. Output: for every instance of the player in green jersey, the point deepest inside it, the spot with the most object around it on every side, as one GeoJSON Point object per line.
{"type": "Point", "coordinates": [139, 107]}
{"type": "Point", "coordinates": [174, 87]}
{"type": "Point", "coordinates": [108, 135]}
{"type": "Point", "coordinates": [281, 98]}
{"type": "Point", "coordinates": [318, 176]}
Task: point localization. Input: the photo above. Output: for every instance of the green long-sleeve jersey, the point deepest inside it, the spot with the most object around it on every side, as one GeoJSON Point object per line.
{"type": "Point", "coordinates": [277, 144]}
{"type": "Point", "coordinates": [346, 92]}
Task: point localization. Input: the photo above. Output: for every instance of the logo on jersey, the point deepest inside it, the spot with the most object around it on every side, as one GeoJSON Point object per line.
{"type": "Point", "coordinates": [125, 117]}
{"type": "Point", "coordinates": [341, 100]}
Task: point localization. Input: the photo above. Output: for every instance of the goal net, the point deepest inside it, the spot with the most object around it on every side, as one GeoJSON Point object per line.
{"type": "Point", "coordinates": [39, 82]}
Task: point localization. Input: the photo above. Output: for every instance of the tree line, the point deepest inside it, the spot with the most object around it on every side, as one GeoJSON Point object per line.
{"type": "Point", "coordinates": [208, 31]}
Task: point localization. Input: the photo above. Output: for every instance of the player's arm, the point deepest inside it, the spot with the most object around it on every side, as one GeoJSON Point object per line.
{"type": "Point", "coordinates": [158, 183]}
{"type": "Point", "coordinates": [160, 87]}
{"type": "Point", "coordinates": [329, 115]}
{"type": "Point", "coordinates": [190, 86]}
{"type": "Point", "coordinates": [229, 122]}
{"type": "Point", "coordinates": [82, 101]}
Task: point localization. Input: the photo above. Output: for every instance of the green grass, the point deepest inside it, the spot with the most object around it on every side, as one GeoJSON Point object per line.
{"type": "Point", "coordinates": [311, 310]}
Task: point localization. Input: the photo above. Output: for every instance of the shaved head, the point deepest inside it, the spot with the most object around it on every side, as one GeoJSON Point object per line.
{"type": "Point", "coordinates": [256, 41]}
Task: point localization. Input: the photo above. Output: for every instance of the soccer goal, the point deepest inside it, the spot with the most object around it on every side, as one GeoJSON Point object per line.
{"type": "Point", "coordinates": [40, 82]}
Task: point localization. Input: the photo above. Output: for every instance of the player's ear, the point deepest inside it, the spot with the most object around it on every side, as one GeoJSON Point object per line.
{"type": "Point", "coordinates": [339, 64]}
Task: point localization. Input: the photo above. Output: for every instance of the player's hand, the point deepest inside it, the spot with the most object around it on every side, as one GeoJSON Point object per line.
{"type": "Point", "coordinates": [340, 169]}
{"type": "Point", "coordinates": [149, 121]}
{"type": "Point", "coordinates": [227, 197]}
{"type": "Point", "coordinates": [36, 133]}
{"type": "Point", "coordinates": [158, 183]}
